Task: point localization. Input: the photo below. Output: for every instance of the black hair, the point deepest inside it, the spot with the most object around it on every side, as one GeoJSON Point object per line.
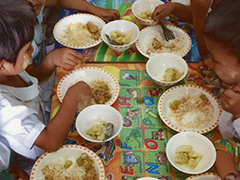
{"type": "Point", "coordinates": [223, 25]}
{"type": "Point", "coordinates": [17, 21]}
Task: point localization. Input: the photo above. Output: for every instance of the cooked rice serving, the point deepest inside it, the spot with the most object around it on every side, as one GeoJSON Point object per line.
{"type": "Point", "coordinates": [192, 111]}
{"type": "Point", "coordinates": [77, 34]}
{"type": "Point", "coordinates": [156, 44]}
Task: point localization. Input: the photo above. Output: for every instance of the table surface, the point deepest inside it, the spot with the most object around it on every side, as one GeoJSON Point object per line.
{"type": "Point", "coordinates": [137, 137]}
{"type": "Point", "coordinates": [144, 135]}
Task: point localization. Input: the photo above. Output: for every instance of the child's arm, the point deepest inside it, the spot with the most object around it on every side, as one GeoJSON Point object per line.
{"type": "Point", "coordinates": [64, 57]}
{"type": "Point", "coordinates": [182, 12]}
{"type": "Point", "coordinates": [224, 164]}
{"type": "Point", "coordinates": [83, 5]}
{"type": "Point", "coordinates": [53, 136]}
{"type": "Point", "coordinates": [199, 13]}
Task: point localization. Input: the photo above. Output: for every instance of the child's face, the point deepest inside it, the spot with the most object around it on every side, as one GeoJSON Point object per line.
{"type": "Point", "coordinates": [22, 61]}
{"type": "Point", "coordinates": [223, 63]}
{"type": "Point", "coordinates": [37, 5]}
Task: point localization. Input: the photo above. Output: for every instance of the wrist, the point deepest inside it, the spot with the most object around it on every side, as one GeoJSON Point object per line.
{"type": "Point", "coordinates": [232, 176]}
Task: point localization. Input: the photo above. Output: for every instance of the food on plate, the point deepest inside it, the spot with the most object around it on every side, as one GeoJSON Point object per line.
{"type": "Point", "coordinates": [81, 34]}
{"type": "Point", "coordinates": [156, 43]}
{"type": "Point", "coordinates": [192, 111]}
{"type": "Point", "coordinates": [82, 168]}
{"type": "Point", "coordinates": [147, 14]}
{"type": "Point", "coordinates": [97, 131]}
{"type": "Point", "coordinates": [101, 91]}
{"type": "Point", "coordinates": [172, 74]}
{"type": "Point", "coordinates": [187, 157]}
{"type": "Point", "coordinates": [120, 37]}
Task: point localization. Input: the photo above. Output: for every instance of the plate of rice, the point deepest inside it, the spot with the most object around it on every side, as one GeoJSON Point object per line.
{"type": "Point", "coordinates": [151, 41]}
{"type": "Point", "coordinates": [73, 162]}
{"type": "Point", "coordinates": [104, 85]}
{"type": "Point", "coordinates": [79, 31]}
{"type": "Point", "coordinates": [189, 108]}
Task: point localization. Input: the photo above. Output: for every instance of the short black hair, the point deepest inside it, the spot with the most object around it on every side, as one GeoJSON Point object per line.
{"type": "Point", "coordinates": [17, 21]}
{"type": "Point", "coordinates": [223, 24]}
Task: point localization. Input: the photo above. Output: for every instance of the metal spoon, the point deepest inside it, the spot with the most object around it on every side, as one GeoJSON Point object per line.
{"type": "Point", "coordinates": [168, 34]}
{"type": "Point", "coordinates": [108, 130]}
{"type": "Point", "coordinates": [111, 41]}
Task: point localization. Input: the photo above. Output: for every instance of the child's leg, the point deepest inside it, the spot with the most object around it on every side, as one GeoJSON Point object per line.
{"type": "Point", "coordinates": [227, 157]}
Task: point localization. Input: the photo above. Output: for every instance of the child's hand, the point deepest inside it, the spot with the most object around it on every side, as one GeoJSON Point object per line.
{"type": "Point", "coordinates": [162, 11]}
{"type": "Point", "coordinates": [66, 58]}
{"type": "Point", "coordinates": [107, 14]}
{"type": "Point", "coordinates": [81, 91]}
{"type": "Point", "coordinates": [230, 100]}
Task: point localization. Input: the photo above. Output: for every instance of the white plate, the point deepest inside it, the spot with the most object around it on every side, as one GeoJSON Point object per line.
{"type": "Point", "coordinates": [65, 152]}
{"type": "Point", "coordinates": [199, 143]}
{"type": "Point", "coordinates": [148, 32]}
{"type": "Point", "coordinates": [147, 178]}
{"type": "Point", "coordinates": [76, 18]}
{"type": "Point", "coordinates": [183, 90]}
{"type": "Point", "coordinates": [88, 74]}
{"type": "Point", "coordinates": [204, 176]}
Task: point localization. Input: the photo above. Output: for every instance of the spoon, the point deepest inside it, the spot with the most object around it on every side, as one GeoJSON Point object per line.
{"type": "Point", "coordinates": [111, 41]}
{"type": "Point", "coordinates": [108, 130]}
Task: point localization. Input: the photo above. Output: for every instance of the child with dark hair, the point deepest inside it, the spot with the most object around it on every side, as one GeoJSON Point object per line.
{"type": "Point", "coordinates": [222, 39]}
{"type": "Point", "coordinates": [24, 126]}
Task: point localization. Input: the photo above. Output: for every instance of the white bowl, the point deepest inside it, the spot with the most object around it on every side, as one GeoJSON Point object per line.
{"type": "Point", "coordinates": [157, 65]}
{"type": "Point", "coordinates": [77, 18]}
{"type": "Point", "coordinates": [147, 178]}
{"type": "Point", "coordinates": [199, 143]}
{"type": "Point", "coordinates": [95, 113]}
{"type": "Point", "coordinates": [67, 151]}
{"type": "Point", "coordinates": [150, 32]}
{"type": "Point", "coordinates": [123, 26]}
{"type": "Point", "coordinates": [143, 5]}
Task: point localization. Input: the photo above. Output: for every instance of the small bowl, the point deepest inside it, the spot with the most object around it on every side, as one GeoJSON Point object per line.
{"type": "Point", "coordinates": [147, 178]}
{"type": "Point", "coordinates": [143, 5]}
{"type": "Point", "coordinates": [199, 143]}
{"type": "Point", "coordinates": [157, 64]}
{"type": "Point", "coordinates": [95, 113]}
{"type": "Point", "coordinates": [123, 26]}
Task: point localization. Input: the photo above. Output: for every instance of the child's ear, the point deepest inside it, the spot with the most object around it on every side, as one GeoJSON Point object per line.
{"type": "Point", "coordinates": [2, 62]}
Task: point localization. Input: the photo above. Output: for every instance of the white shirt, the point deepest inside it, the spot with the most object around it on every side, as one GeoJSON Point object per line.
{"type": "Point", "coordinates": [22, 116]}
{"type": "Point", "coordinates": [5, 154]}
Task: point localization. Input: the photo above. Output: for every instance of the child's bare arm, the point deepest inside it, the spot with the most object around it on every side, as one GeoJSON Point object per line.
{"type": "Point", "coordinates": [85, 6]}
{"type": "Point", "coordinates": [53, 136]}
{"type": "Point", "coordinates": [64, 57]}
{"type": "Point", "coordinates": [182, 12]}
{"type": "Point", "coordinates": [199, 14]}
{"type": "Point", "coordinates": [224, 164]}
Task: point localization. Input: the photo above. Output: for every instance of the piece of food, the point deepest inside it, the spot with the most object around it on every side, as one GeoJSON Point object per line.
{"type": "Point", "coordinates": [97, 131]}
{"type": "Point", "coordinates": [172, 74]}
{"type": "Point", "coordinates": [147, 14]}
{"type": "Point", "coordinates": [187, 157]}
{"type": "Point", "coordinates": [120, 37]}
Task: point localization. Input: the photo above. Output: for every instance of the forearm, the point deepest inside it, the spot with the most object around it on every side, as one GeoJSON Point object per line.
{"type": "Point", "coordinates": [80, 5]}
{"type": "Point", "coordinates": [43, 71]}
{"type": "Point", "coordinates": [182, 12]}
{"type": "Point", "coordinates": [53, 136]}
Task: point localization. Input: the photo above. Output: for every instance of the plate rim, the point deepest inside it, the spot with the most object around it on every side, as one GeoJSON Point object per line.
{"type": "Point", "coordinates": [68, 146]}
{"type": "Point", "coordinates": [117, 86]}
{"type": "Point", "coordinates": [153, 26]}
{"type": "Point", "coordinates": [202, 174]}
{"type": "Point", "coordinates": [58, 39]}
{"type": "Point", "coordinates": [169, 124]}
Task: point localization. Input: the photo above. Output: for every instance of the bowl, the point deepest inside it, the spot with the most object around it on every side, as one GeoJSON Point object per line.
{"type": "Point", "coordinates": [157, 64]}
{"type": "Point", "coordinates": [66, 152]}
{"type": "Point", "coordinates": [204, 176]}
{"type": "Point", "coordinates": [123, 26]}
{"type": "Point", "coordinates": [62, 24]}
{"type": "Point", "coordinates": [93, 115]}
{"type": "Point", "coordinates": [147, 178]}
{"type": "Point", "coordinates": [143, 5]}
{"type": "Point", "coordinates": [199, 143]}
{"type": "Point", "coordinates": [181, 45]}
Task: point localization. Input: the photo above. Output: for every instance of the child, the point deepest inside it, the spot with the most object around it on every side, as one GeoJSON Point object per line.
{"type": "Point", "coordinates": [222, 39]}
{"type": "Point", "coordinates": [23, 122]}
{"type": "Point", "coordinates": [194, 14]}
